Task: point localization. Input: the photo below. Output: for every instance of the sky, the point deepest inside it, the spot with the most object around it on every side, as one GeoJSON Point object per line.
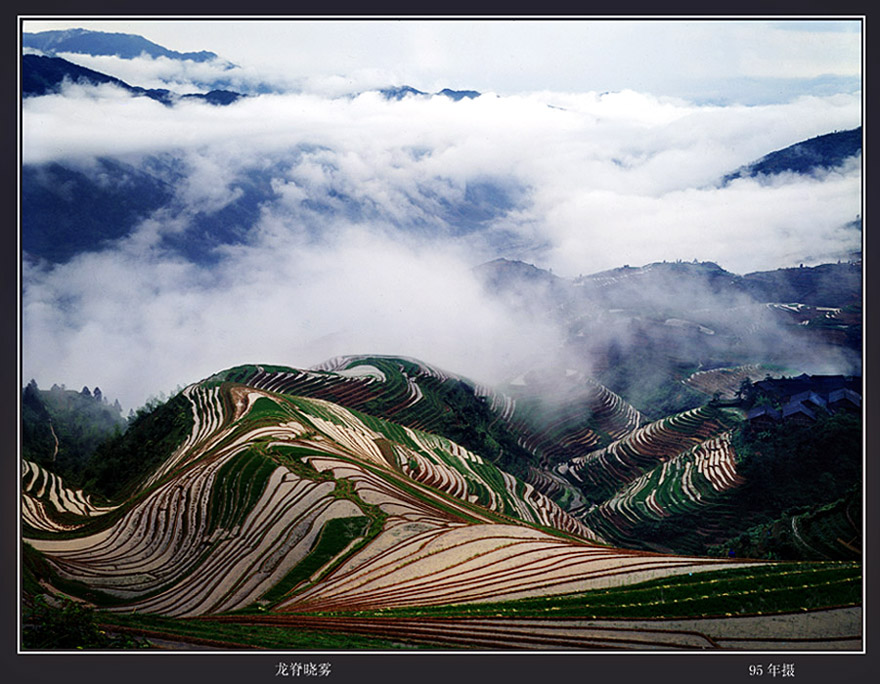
{"type": "Point", "coordinates": [594, 145]}
{"type": "Point", "coordinates": [691, 58]}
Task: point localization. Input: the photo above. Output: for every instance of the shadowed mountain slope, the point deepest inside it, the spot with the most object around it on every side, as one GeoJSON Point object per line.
{"type": "Point", "coordinates": [822, 152]}
{"type": "Point", "coordinates": [41, 75]}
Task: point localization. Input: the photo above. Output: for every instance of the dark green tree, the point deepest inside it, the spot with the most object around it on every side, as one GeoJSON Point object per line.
{"type": "Point", "coordinates": [62, 624]}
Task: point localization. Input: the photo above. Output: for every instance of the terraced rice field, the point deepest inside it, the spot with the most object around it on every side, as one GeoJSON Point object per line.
{"type": "Point", "coordinates": [289, 510]}
{"type": "Point", "coordinates": [222, 523]}
{"type": "Point", "coordinates": [480, 563]}
{"type": "Point", "coordinates": [725, 381]}
{"type": "Point", "coordinates": [46, 502]}
{"type": "Point", "coordinates": [682, 484]}
{"type": "Point", "coordinates": [836, 629]}
{"type": "Point", "coordinates": [754, 607]}
{"type": "Point", "coordinates": [590, 419]}
{"type": "Point", "coordinates": [649, 446]}
{"type": "Point", "coordinates": [408, 396]}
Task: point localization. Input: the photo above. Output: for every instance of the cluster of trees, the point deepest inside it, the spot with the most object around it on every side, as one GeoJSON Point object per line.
{"type": "Point", "coordinates": [62, 428]}
{"type": "Point", "coordinates": [789, 465]}
{"type": "Point", "coordinates": [152, 434]}
{"type": "Point", "coordinates": [85, 439]}
{"type": "Point", "coordinates": [468, 420]}
{"type": "Point", "coordinates": [64, 624]}
{"type": "Point", "coordinates": [791, 470]}
{"type": "Point", "coordinates": [776, 539]}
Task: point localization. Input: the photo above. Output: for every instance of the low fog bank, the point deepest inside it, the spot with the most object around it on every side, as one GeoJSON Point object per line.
{"type": "Point", "coordinates": [642, 330]}
{"type": "Point", "coordinates": [143, 324]}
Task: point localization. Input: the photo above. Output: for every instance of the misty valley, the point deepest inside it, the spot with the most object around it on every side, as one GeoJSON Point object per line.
{"type": "Point", "coordinates": [432, 369]}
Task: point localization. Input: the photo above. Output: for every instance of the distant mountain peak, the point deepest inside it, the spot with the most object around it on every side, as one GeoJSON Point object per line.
{"type": "Point", "coordinates": [124, 45]}
{"type": "Point", "coordinates": [400, 92]}
{"type": "Point", "coordinates": [459, 94]}
{"type": "Point", "coordinates": [515, 266]}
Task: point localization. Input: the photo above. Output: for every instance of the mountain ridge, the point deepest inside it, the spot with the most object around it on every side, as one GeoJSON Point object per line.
{"type": "Point", "coordinates": [821, 152]}
{"type": "Point", "coordinates": [400, 92]}
{"type": "Point", "coordinates": [813, 285]}
{"type": "Point", "coordinates": [124, 45]}
{"type": "Point", "coordinates": [42, 75]}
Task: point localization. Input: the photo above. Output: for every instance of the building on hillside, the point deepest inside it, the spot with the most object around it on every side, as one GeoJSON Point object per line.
{"type": "Point", "coordinates": [809, 399]}
{"type": "Point", "coordinates": [817, 394]}
{"type": "Point", "coordinates": [797, 413]}
{"type": "Point", "coordinates": [784, 389]}
{"type": "Point", "coordinates": [845, 400]}
{"type": "Point", "coordinates": [763, 417]}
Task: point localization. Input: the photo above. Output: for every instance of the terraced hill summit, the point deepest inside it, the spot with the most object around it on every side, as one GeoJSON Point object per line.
{"type": "Point", "coordinates": [331, 507]}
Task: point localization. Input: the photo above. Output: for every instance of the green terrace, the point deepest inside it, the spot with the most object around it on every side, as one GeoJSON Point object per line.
{"type": "Point", "coordinates": [446, 406]}
{"type": "Point", "coordinates": [757, 590]}
{"type": "Point", "coordinates": [654, 504]}
{"type": "Point", "coordinates": [605, 470]}
{"type": "Point", "coordinates": [237, 636]}
{"type": "Point", "coordinates": [482, 478]}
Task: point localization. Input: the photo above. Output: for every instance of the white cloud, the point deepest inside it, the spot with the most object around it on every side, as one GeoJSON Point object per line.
{"type": "Point", "coordinates": [186, 76]}
{"type": "Point", "coordinates": [599, 181]}
{"type": "Point", "coordinates": [142, 324]}
{"type": "Point", "coordinates": [745, 227]}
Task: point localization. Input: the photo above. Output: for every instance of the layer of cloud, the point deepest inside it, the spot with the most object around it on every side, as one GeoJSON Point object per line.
{"type": "Point", "coordinates": [362, 244]}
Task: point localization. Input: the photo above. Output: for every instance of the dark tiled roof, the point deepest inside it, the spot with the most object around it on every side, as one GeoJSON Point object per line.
{"type": "Point", "coordinates": [809, 396]}
{"type": "Point", "coordinates": [793, 408]}
{"type": "Point", "coordinates": [768, 411]}
{"type": "Point", "coordinates": [845, 395]}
